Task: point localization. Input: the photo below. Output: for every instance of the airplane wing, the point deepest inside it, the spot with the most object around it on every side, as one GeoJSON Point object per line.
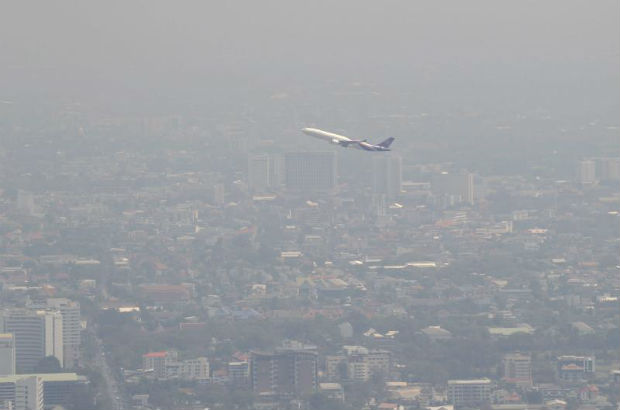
{"type": "Point", "coordinates": [346, 143]}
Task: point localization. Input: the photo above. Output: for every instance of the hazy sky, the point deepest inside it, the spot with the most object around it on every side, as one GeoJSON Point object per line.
{"type": "Point", "coordinates": [115, 47]}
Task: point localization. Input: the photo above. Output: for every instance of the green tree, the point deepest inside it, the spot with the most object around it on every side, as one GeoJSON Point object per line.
{"type": "Point", "coordinates": [48, 364]}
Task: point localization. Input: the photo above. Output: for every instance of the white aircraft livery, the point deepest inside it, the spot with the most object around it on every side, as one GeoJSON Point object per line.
{"type": "Point", "coordinates": [346, 141]}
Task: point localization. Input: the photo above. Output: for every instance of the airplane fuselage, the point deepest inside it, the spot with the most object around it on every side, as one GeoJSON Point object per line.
{"type": "Point", "coordinates": [347, 142]}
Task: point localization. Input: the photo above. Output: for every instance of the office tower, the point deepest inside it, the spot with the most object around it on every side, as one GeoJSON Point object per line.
{"type": "Point", "coordinates": [608, 169]}
{"type": "Point", "coordinates": [518, 369]}
{"type": "Point", "coordinates": [54, 343]}
{"type": "Point", "coordinates": [285, 372]}
{"type": "Point", "coordinates": [586, 172]}
{"type": "Point", "coordinates": [7, 354]}
{"type": "Point", "coordinates": [387, 175]}
{"type": "Point", "coordinates": [310, 171]}
{"type": "Point", "coordinates": [454, 188]}
{"type": "Point", "coordinates": [259, 172]}
{"type": "Point", "coordinates": [71, 329]}
{"type": "Point", "coordinates": [469, 392]}
{"type": "Point", "coordinates": [37, 333]}
{"type": "Point", "coordinates": [22, 392]}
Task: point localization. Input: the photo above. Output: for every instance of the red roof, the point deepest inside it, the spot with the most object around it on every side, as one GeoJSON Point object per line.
{"type": "Point", "coordinates": [155, 354]}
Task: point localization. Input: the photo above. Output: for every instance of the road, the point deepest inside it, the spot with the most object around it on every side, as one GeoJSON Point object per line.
{"type": "Point", "coordinates": [99, 361]}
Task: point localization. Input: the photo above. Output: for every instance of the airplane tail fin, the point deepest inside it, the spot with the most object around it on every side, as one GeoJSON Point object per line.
{"type": "Point", "coordinates": [386, 143]}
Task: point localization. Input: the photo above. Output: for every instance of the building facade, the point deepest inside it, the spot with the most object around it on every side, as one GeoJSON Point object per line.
{"type": "Point", "coordinates": [310, 171]}
{"type": "Point", "coordinates": [518, 369]}
{"type": "Point", "coordinates": [7, 354]}
{"type": "Point", "coordinates": [469, 392]}
{"type": "Point", "coordinates": [387, 175]}
{"type": "Point", "coordinates": [37, 333]}
{"type": "Point", "coordinates": [71, 329]}
{"type": "Point", "coordinates": [284, 373]}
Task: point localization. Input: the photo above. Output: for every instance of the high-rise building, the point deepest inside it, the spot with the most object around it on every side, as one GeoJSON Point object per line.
{"type": "Point", "coordinates": [22, 392]}
{"type": "Point", "coordinates": [587, 171]}
{"type": "Point", "coordinates": [609, 169]}
{"type": "Point", "coordinates": [285, 372]}
{"type": "Point", "coordinates": [37, 333]}
{"type": "Point", "coordinates": [518, 369]}
{"type": "Point", "coordinates": [54, 342]}
{"type": "Point", "coordinates": [71, 329]}
{"type": "Point", "coordinates": [310, 171]}
{"type": "Point", "coordinates": [7, 354]}
{"type": "Point", "coordinates": [259, 172]}
{"type": "Point", "coordinates": [455, 188]}
{"type": "Point", "coordinates": [39, 391]}
{"type": "Point", "coordinates": [469, 392]}
{"type": "Point", "coordinates": [387, 175]}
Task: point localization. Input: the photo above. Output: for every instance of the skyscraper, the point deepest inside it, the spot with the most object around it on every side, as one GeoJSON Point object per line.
{"type": "Point", "coordinates": [454, 188]}
{"type": "Point", "coordinates": [259, 172]}
{"type": "Point", "coordinates": [7, 354]}
{"type": "Point", "coordinates": [37, 333]}
{"type": "Point", "coordinates": [71, 328]}
{"type": "Point", "coordinates": [310, 171]}
{"type": "Point", "coordinates": [387, 175]}
{"type": "Point", "coordinates": [587, 171]}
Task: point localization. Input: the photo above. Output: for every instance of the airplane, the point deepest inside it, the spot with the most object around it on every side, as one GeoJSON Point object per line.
{"type": "Point", "coordinates": [346, 141]}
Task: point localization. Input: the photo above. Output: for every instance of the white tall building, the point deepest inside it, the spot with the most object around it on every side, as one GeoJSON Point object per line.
{"type": "Point", "coordinates": [54, 345]}
{"type": "Point", "coordinates": [37, 333]}
{"type": "Point", "coordinates": [71, 329]}
{"type": "Point", "coordinates": [7, 354]}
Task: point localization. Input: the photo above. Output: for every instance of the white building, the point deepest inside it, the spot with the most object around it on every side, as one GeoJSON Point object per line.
{"type": "Point", "coordinates": [469, 392]}
{"type": "Point", "coordinates": [191, 369]}
{"type": "Point", "coordinates": [71, 329]}
{"type": "Point", "coordinates": [21, 392]}
{"type": "Point", "coordinates": [165, 365]}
